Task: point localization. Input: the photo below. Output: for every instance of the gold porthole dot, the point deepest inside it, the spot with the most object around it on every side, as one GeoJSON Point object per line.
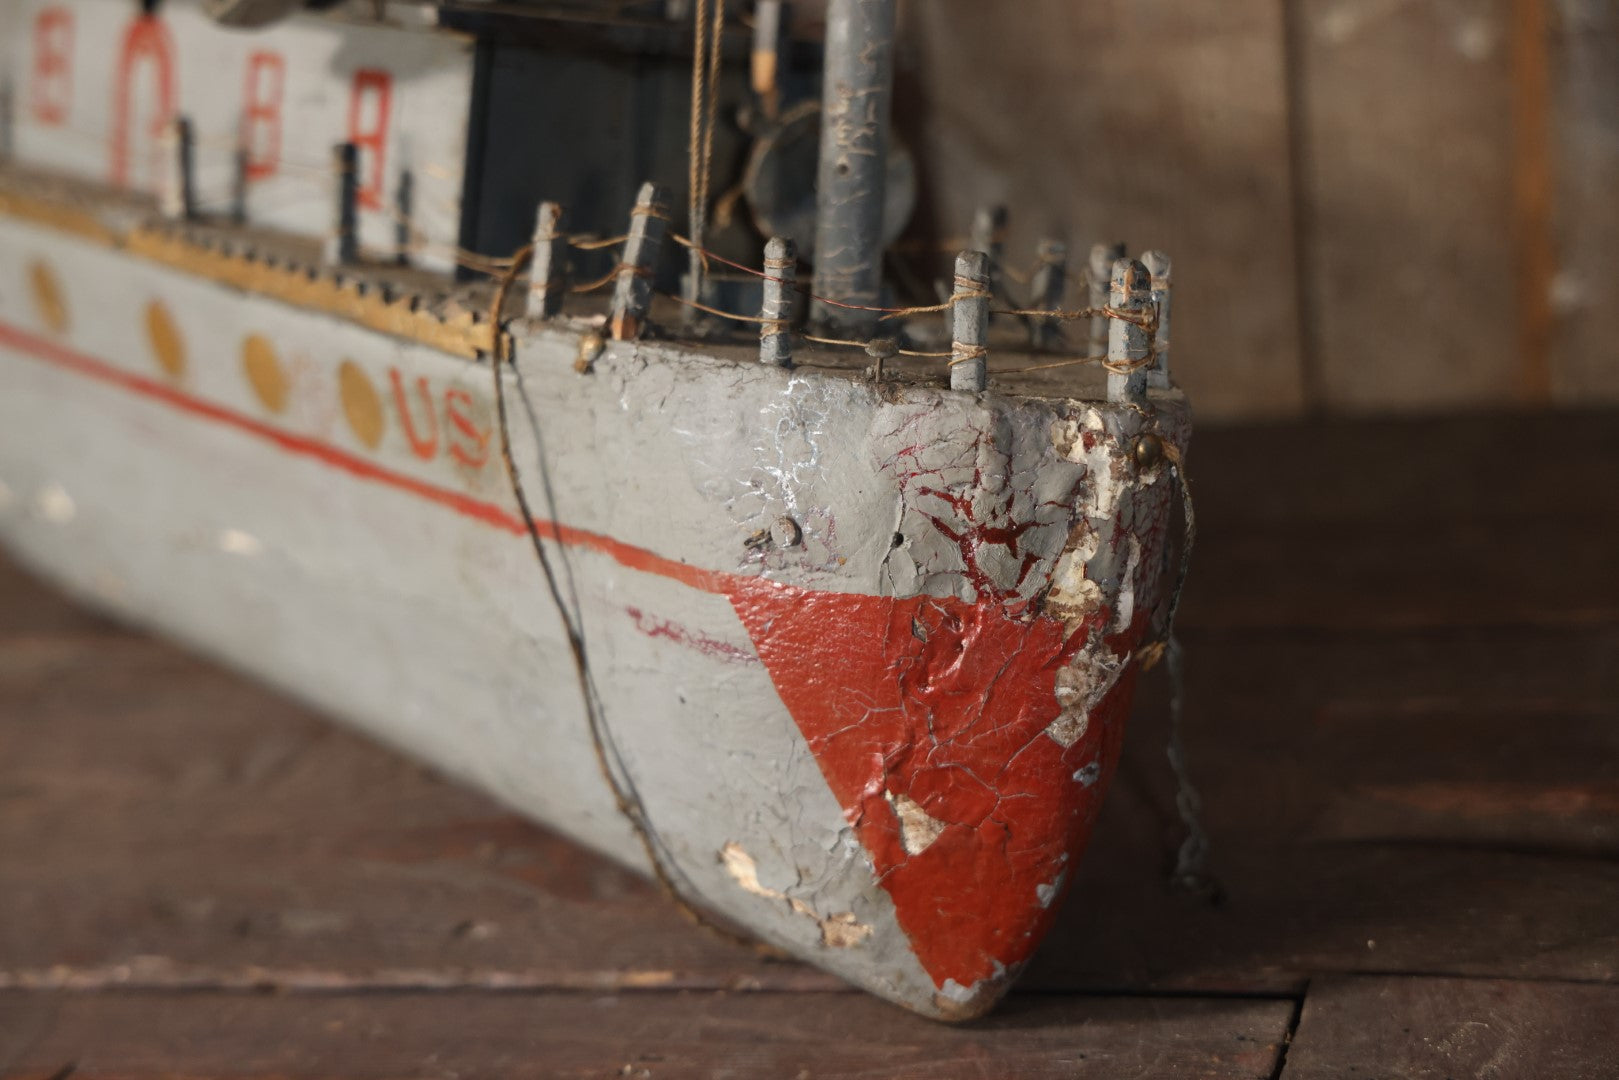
{"type": "Point", "coordinates": [49, 303]}
{"type": "Point", "coordinates": [264, 372]}
{"type": "Point", "coordinates": [361, 405]}
{"type": "Point", "coordinates": [168, 348]}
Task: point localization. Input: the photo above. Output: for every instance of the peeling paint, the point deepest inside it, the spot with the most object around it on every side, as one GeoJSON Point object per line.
{"type": "Point", "coordinates": [1080, 687]}
{"type": "Point", "coordinates": [843, 931]}
{"type": "Point", "coordinates": [1048, 892]}
{"type": "Point", "coordinates": [1070, 726]}
{"type": "Point", "coordinates": [740, 865]}
{"type": "Point", "coordinates": [840, 930]}
{"type": "Point", "coordinates": [238, 542]}
{"type": "Point", "coordinates": [967, 1000]}
{"type": "Point", "coordinates": [909, 712]}
{"type": "Point", "coordinates": [917, 829]}
{"type": "Point", "coordinates": [984, 503]}
{"type": "Point", "coordinates": [55, 505]}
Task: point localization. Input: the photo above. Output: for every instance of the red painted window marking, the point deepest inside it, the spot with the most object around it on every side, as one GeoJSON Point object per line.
{"type": "Point", "coordinates": [370, 100]}
{"type": "Point", "coordinates": [146, 44]}
{"type": "Point", "coordinates": [654, 627]}
{"type": "Point", "coordinates": [469, 444]}
{"type": "Point", "coordinates": [427, 448]}
{"type": "Point", "coordinates": [938, 699]}
{"type": "Point", "coordinates": [52, 87]}
{"type": "Point", "coordinates": [261, 113]}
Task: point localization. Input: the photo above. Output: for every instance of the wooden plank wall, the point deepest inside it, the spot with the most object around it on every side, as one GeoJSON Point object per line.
{"type": "Point", "coordinates": [1585, 56]}
{"type": "Point", "coordinates": [1373, 205]}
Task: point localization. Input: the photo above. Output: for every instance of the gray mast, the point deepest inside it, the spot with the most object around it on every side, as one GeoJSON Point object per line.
{"type": "Point", "coordinates": [856, 97]}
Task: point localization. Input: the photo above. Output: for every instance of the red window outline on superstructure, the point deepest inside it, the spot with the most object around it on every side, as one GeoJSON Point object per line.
{"type": "Point", "coordinates": [261, 113]}
{"type": "Point", "coordinates": [146, 39]}
{"type": "Point", "coordinates": [52, 87]}
{"type": "Point", "coordinates": [370, 140]}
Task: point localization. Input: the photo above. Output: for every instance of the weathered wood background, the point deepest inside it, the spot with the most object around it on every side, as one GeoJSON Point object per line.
{"type": "Point", "coordinates": [1373, 205]}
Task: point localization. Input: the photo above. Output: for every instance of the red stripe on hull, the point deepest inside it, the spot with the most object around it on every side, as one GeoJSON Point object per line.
{"type": "Point", "coordinates": [488, 513]}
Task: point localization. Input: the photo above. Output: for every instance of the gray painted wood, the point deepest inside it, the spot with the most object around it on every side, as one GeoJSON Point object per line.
{"type": "Point", "coordinates": [780, 299]}
{"type": "Point", "coordinates": [548, 267]}
{"type": "Point", "coordinates": [1128, 344]}
{"type": "Point", "coordinates": [969, 322]}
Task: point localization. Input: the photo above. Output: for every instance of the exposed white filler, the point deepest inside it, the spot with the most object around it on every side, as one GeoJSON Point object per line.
{"type": "Point", "coordinates": [917, 828]}
{"type": "Point", "coordinates": [839, 930]}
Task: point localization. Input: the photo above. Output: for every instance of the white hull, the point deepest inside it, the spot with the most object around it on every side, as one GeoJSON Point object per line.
{"type": "Point", "coordinates": [393, 586]}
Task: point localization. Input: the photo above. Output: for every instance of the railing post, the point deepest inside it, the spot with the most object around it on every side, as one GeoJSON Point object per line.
{"type": "Point", "coordinates": [969, 323]}
{"type": "Point", "coordinates": [1103, 256]}
{"type": "Point", "coordinates": [343, 246]}
{"type": "Point", "coordinates": [239, 161]}
{"type": "Point", "coordinates": [177, 193]}
{"type": "Point", "coordinates": [1048, 286]}
{"type": "Point", "coordinates": [547, 275]}
{"type": "Point", "coordinates": [8, 119]}
{"type": "Point", "coordinates": [632, 292]}
{"type": "Point", "coordinates": [404, 208]}
{"type": "Point", "coordinates": [1129, 293]}
{"type": "Point", "coordinates": [1157, 264]}
{"type": "Point", "coordinates": [781, 275]}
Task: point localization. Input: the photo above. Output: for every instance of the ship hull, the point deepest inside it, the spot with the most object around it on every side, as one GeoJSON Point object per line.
{"type": "Point", "coordinates": [853, 663]}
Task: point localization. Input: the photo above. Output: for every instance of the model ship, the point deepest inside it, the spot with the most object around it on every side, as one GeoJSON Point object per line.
{"type": "Point", "coordinates": [402, 356]}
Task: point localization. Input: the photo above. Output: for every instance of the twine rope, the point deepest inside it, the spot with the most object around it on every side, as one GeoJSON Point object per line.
{"type": "Point", "coordinates": [625, 796]}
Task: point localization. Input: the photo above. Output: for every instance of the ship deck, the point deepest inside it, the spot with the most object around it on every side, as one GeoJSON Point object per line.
{"type": "Point", "coordinates": [454, 314]}
{"type": "Point", "coordinates": [1402, 712]}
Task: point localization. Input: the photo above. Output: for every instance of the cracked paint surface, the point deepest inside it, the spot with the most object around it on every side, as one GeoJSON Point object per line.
{"type": "Point", "coordinates": [969, 728]}
{"type": "Point", "coordinates": [839, 930]}
{"type": "Point", "coordinates": [945, 703]}
{"type": "Point", "coordinates": [906, 720]}
{"type": "Point", "coordinates": [961, 663]}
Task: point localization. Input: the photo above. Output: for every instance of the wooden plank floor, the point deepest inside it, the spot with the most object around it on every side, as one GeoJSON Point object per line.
{"type": "Point", "coordinates": [1402, 712]}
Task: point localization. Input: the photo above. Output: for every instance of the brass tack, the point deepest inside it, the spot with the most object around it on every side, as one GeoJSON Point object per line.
{"type": "Point", "coordinates": [1149, 451]}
